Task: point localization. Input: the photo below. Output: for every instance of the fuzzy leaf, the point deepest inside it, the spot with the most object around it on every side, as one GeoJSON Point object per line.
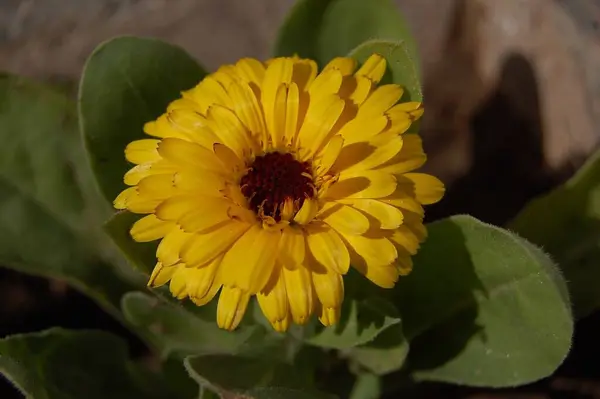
{"type": "Point", "coordinates": [61, 364]}
{"type": "Point", "coordinates": [483, 307]}
{"type": "Point", "coordinates": [128, 81]}
{"type": "Point", "coordinates": [566, 223]}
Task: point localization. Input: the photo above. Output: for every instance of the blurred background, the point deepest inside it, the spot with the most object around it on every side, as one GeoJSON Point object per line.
{"type": "Point", "coordinates": [512, 99]}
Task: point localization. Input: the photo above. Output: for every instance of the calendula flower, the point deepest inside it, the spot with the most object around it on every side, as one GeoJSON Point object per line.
{"type": "Point", "coordinates": [269, 179]}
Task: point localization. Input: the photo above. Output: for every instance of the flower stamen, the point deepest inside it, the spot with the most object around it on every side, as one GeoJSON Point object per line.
{"type": "Point", "coordinates": [274, 180]}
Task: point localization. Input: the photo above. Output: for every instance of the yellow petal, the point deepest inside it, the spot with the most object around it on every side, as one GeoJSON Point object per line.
{"type": "Point", "coordinates": [150, 228]}
{"type": "Point", "coordinates": [399, 122]}
{"type": "Point", "coordinates": [329, 316]}
{"type": "Point", "coordinates": [363, 155]}
{"type": "Point", "coordinates": [427, 189]}
{"type": "Point", "coordinates": [132, 200]}
{"type": "Point", "coordinates": [292, 114]}
{"type": "Point", "coordinates": [380, 101]}
{"type": "Point", "coordinates": [363, 129]}
{"type": "Point", "coordinates": [179, 281]}
{"type": "Point", "coordinates": [202, 248]}
{"type": "Point", "coordinates": [161, 275]}
{"type": "Point", "coordinates": [251, 70]}
{"type": "Point", "coordinates": [384, 276]}
{"type": "Point", "coordinates": [231, 131]}
{"type": "Point", "coordinates": [345, 65]}
{"type": "Point", "coordinates": [208, 93]}
{"type": "Point", "coordinates": [142, 151]}
{"type": "Point", "coordinates": [231, 308]}
{"type": "Point", "coordinates": [176, 207]}
{"type": "Point", "coordinates": [190, 125]}
{"type": "Point", "coordinates": [329, 287]}
{"type": "Point", "coordinates": [138, 172]}
{"type": "Point", "coordinates": [304, 73]}
{"type": "Point", "coordinates": [307, 212]}
{"type": "Point", "coordinates": [361, 90]}
{"type": "Point", "coordinates": [124, 197]}
{"type": "Point", "coordinates": [411, 156]}
{"type": "Point", "coordinates": [210, 294]}
{"type": "Point", "coordinates": [200, 182]}
{"type": "Point", "coordinates": [157, 186]}
{"type": "Point", "coordinates": [279, 114]}
{"type": "Point", "coordinates": [403, 198]}
{"type": "Point", "coordinates": [247, 108]}
{"type": "Point", "coordinates": [325, 84]}
{"type": "Point", "coordinates": [344, 218]}
{"type": "Point", "coordinates": [373, 251]}
{"type": "Point", "coordinates": [405, 238]}
{"type": "Point", "coordinates": [278, 74]}
{"type": "Point", "coordinates": [274, 303]}
{"type": "Point", "coordinates": [367, 184]}
{"type": "Point", "coordinates": [200, 280]}
{"type": "Point", "coordinates": [194, 213]}
{"type": "Point", "coordinates": [292, 248]}
{"type": "Point", "coordinates": [169, 248]}
{"type": "Point", "coordinates": [249, 263]}
{"type": "Point", "coordinates": [228, 158]}
{"type": "Point", "coordinates": [373, 68]}
{"type": "Point", "coordinates": [300, 293]}
{"type": "Point", "coordinates": [388, 216]}
{"type": "Point", "coordinates": [187, 154]}
{"type": "Point", "coordinates": [327, 248]}
{"type": "Point", "coordinates": [406, 107]}
{"type": "Point", "coordinates": [404, 264]}
{"type": "Point", "coordinates": [318, 123]}
{"type": "Point", "coordinates": [330, 154]}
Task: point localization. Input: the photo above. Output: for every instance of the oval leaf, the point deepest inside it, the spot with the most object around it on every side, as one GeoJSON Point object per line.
{"type": "Point", "coordinates": [566, 223]}
{"type": "Point", "coordinates": [483, 307]}
{"type": "Point", "coordinates": [127, 82]}
{"type": "Point", "coordinates": [85, 364]}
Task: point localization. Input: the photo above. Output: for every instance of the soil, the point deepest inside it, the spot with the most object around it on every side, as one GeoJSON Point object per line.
{"type": "Point", "coordinates": [512, 99]}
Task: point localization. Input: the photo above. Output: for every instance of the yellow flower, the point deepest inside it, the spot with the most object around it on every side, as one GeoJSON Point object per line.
{"type": "Point", "coordinates": [269, 179]}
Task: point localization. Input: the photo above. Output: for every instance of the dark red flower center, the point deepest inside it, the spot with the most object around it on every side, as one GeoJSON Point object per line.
{"type": "Point", "coordinates": [272, 179]}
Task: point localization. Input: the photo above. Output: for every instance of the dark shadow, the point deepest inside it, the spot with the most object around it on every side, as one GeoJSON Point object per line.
{"type": "Point", "coordinates": [508, 165]}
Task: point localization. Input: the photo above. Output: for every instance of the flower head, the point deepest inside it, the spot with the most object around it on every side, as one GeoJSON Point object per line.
{"type": "Point", "coordinates": [269, 179]}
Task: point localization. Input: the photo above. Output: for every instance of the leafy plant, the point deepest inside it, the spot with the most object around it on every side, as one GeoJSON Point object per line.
{"type": "Point", "coordinates": [484, 306]}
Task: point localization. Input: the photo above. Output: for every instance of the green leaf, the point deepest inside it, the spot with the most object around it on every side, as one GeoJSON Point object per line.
{"type": "Point", "coordinates": [285, 393]}
{"type": "Point", "coordinates": [127, 82]}
{"type": "Point", "coordinates": [175, 331]}
{"type": "Point", "coordinates": [324, 29]}
{"type": "Point", "coordinates": [385, 354]}
{"type": "Point", "coordinates": [48, 208]}
{"type": "Point", "coordinates": [360, 323]}
{"type": "Point", "coordinates": [141, 255]}
{"type": "Point", "coordinates": [483, 307]}
{"type": "Point", "coordinates": [71, 365]}
{"type": "Point", "coordinates": [367, 386]}
{"type": "Point", "coordinates": [260, 378]}
{"type": "Point", "coordinates": [566, 223]}
{"type": "Point", "coordinates": [402, 69]}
